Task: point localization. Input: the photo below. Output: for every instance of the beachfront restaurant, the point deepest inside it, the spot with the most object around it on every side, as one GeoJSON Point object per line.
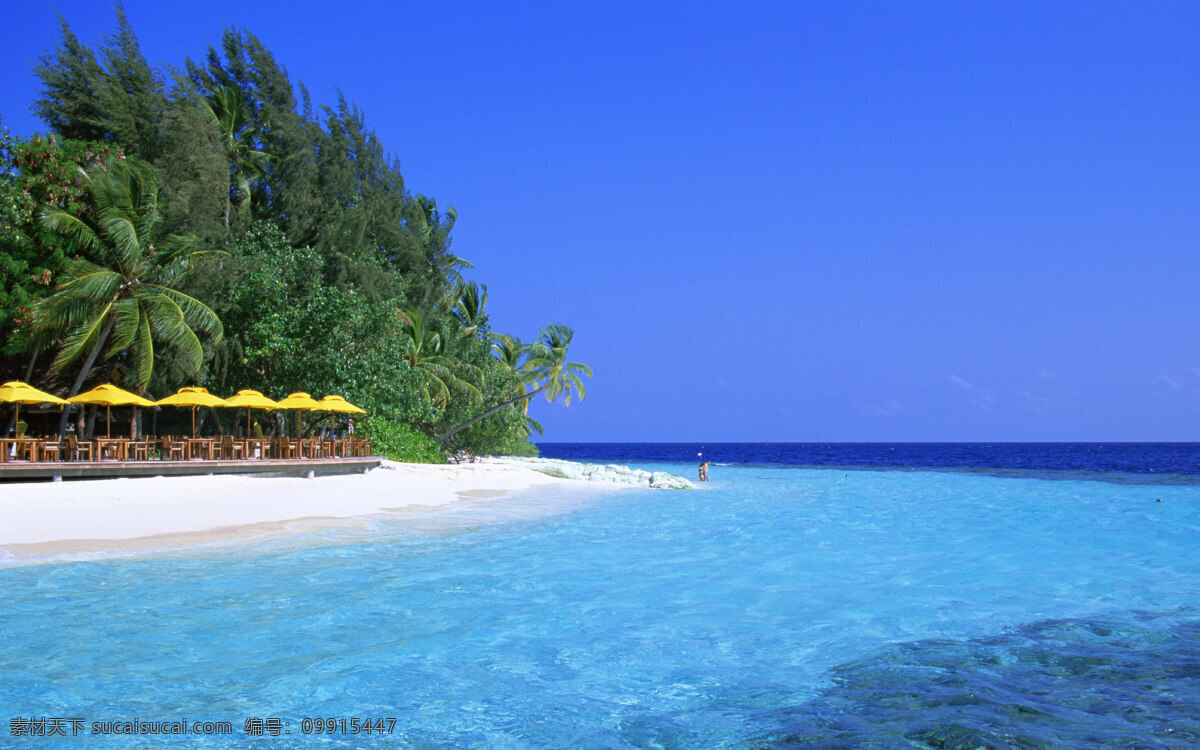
{"type": "Point", "coordinates": [37, 438]}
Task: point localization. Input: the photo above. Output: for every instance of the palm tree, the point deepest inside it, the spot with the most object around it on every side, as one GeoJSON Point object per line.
{"type": "Point", "coordinates": [545, 362]}
{"type": "Point", "coordinates": [226, 109]}
{"type": "Point", "coordinates": [120, 289]}
{"type": "Point", "coordinates": [427, 354]}
{"type": "Point", "coordinates": [431, 229]}
{"type": "Point", "coordinates": [510, 351]}
{"type": "Point", "coordinates": [469, 308]}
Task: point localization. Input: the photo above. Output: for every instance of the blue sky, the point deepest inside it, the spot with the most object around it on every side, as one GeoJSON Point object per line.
{"type": "Point", "coordinates": [819, 221]}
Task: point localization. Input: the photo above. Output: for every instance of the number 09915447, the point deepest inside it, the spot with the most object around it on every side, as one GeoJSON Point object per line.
{"type": "Point", "coordinates": [343, 725]}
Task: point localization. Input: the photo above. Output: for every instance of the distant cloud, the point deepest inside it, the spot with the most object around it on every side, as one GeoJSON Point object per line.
{"type": "Point", "coordinates": [1171, 381]}
{"type": "Point", "coordinates": [956, 380]}
{"type": "Point", "coordinates": [981, 398]}
{"type": "Point", "coordinates": [1033, 402]}
{"type": "Point", "coordinates": [889, 409]}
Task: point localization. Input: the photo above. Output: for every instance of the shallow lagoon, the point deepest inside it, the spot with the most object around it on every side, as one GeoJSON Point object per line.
{"type": "Point", "coordinates": [774, 607]}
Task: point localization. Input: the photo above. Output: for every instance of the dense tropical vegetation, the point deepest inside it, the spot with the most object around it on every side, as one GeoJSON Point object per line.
{"type": "Point", "coordinates": [207, 225]}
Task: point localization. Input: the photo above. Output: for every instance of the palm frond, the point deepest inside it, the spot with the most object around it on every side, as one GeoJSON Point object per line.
{"type": "Point", "coordinates": [81, 339]}
{"type": "Point", "coordinates": [141, 357]}
{"type": "Point", "coordinates": [127, 315]}
{"type": "Point", "coordinates": [69, 227]}
{"type": "Point", "coordinates": [195, 313]}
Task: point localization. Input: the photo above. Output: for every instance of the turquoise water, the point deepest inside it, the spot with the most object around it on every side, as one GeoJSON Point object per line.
{"type": "Point", "coordinates": [774, 607]}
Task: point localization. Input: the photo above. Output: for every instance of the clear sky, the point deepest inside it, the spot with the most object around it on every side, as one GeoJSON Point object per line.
{"type": "Point", "coordinates": [794, 221]}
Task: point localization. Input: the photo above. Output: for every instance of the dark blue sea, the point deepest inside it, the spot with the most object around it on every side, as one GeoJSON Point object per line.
{"type": "Point", "coordinates": [1118, 462]}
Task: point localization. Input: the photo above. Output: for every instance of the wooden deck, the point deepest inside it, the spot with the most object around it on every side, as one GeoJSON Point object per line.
{"type": "Point", "coordinates": [24, 471]}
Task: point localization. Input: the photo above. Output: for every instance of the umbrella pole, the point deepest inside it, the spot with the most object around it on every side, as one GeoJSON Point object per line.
{"type": "Point", "coordinates": [193, 422]}
{"type": "Point", "coordinates": [107, 421]}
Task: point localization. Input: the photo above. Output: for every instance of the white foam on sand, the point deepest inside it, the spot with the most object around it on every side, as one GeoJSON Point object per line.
{"type": "Point", "coordinates": [63, 520]}
{"type": "Point", "coordinates": [610, 473]}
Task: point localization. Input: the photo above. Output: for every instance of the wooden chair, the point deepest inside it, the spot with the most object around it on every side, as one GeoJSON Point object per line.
{"type": "Point", "coordinates": [138, 450]}
{"type": "Point", "coordinates": [286, 448]}
{"type": "Point", "coordinates": [172, 449]}
{"type": "Point", "coordinates": [77, 449]}
{"type": "Point", "coordinates": [232, 449]}
{"type": "Point", "coordinates": [51, 450]}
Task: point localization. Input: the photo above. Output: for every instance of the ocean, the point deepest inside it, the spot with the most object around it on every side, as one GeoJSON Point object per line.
{"type": "Point", "coordinates": [925, 596]}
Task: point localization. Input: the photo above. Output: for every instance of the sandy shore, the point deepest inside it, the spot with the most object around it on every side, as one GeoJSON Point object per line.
{"type": "Point", "coordinates": [53, 519]}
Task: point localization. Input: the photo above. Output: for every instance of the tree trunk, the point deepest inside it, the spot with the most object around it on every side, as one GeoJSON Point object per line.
{"type": "Point", "coordinates": [90, 426]}
{"type": "Point", "coordinates": [86, 369]}
{"type": "Point", "coordinates": [490, 412]}
{"type": "Point", "coordinates": [32, 358]}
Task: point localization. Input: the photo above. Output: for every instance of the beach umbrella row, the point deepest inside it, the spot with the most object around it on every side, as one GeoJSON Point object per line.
{"type": "Point", "coordinates": [15, 392]}
{"type": "Point", "coordinates": [250, 399]}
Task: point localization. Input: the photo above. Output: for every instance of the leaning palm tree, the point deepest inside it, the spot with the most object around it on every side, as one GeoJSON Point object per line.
{"type": "Point", "coordinates": [510, 351]}
{"type": "Point", "coordinates": [545, 362]}
{"type": "Point", "coordinates": [120, 290]}
{"type": "Point", "coordinates": [226, 109]}
{"type": "Point", "coordinates": [427, 355]}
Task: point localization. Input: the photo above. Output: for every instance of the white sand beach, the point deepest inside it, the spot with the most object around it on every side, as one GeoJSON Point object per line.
{"type": "Point", "coordinates": [40, 519]}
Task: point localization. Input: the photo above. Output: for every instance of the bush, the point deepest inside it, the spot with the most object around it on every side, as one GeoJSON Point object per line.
{"type": "Point", "coordinates": [400, 442]}
{"type": "Point", "coordinates": [519, 447]}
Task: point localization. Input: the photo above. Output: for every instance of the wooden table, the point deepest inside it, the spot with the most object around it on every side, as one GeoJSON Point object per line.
{"type": "Point", "coordinates": [22, 447]}
{"type": "Point", "coordinates": [256, 444]}
{"type": "Point", "coordinates": [200, 448]}
{"type": "Point", "coordinates": [115, 447]}
{"type": "Point", "coordinates": [311, 448]}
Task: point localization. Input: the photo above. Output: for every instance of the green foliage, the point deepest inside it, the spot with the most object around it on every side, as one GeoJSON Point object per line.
{"type": "Point", "coordinates": [119, 101]}
{"type": "Point", "coordinates": [542, 365]}
{"type": "Point", "coordinates": [34, 173]}
{"type": "Point", "coordinates": [119, 288]}
{"type": "Point", "coordinates": [287, 330]}
{"type": "Point", "coordinates": [226, 111]}
{"type": "Point", "coordinates": [400, 442]}
{"type": "Point", "coordinates": [518, 446]}
{"type": "Point", "coordinates": [336, 279]}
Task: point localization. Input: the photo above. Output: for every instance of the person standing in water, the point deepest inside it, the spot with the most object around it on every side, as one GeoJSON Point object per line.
{"type": "Point", "coordinates": [704, 471]}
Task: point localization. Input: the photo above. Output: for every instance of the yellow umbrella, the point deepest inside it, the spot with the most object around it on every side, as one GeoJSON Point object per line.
{"type": "Point", "coordinates": [192, 396]}
{"type": "Point", "coordinates": [338, 404]}
{"type": "Point", "coordinates": [251, 400]}
{"type": "Point", "coordinates": [299, 401]}
{"type": "Point", "coordinates": [110, 396]}
{"type": "Point", "coordinates": [16, 393]}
